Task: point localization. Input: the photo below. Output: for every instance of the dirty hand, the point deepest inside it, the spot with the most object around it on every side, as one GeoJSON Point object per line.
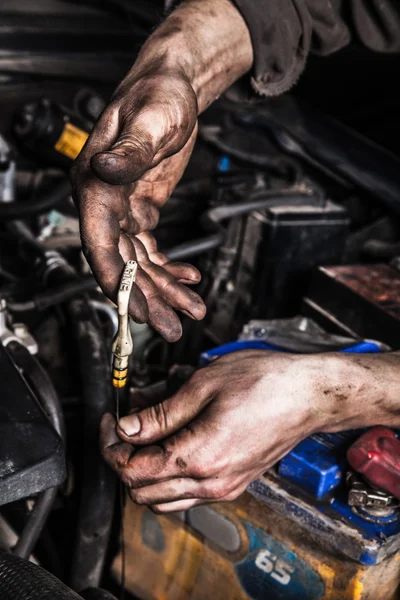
{"type": "Point", "coordinates": [237, 417]}
{"type": "Point", "coordinates": [229, 423]}
{"type": "Point", "coordinates": [140, 147]}
{"type": "Point", "coordinates": [132, 161]}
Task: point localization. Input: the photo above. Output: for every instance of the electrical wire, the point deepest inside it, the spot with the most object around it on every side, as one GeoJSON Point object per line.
{"type": "Point", "coordinates": [21, 210]}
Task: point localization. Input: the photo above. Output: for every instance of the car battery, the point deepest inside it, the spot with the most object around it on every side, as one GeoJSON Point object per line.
{"type": "Point", "coordinates": [292, 536]}
{"type": "Point", "coordinates": [319, 227]}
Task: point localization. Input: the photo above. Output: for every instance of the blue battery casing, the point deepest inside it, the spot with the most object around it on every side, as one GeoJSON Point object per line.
{"type": "Point", "coordinates": [318, 463]}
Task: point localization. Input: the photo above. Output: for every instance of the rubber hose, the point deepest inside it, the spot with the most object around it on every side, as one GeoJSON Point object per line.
{"type": "Point", "coordinates": [23, 210]}
{"type": "Point", "coordinates": [42, 384]}
{"type": "Point", "coordinates": [58, 295]}
{"type": "Point", "coordinates": [23, 580]}
{"type": "Point", "coordinates": [98, 492]}
{"type": "Point", "coordinates": [212, 218]}
{"type": "Point", "coordinates": [37, 376]}
{"type": "Point", "coordinates": [268, 200]}
{"type": "Point", "coordinates": [211, 135]}
{"type": "Point", "coordinates": [34, 526]}
{"type": "Point", "coordinates": [195, 247]}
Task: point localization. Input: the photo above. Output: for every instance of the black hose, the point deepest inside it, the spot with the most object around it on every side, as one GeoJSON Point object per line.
{"type": "Point", "coordinates": [212, 218]}
{"type": "Point", "coordinates": [23, 580]}
{"type": "Point", "coordinates": [269, 199]}
{"type": "Point", "coordinates": [99, 482]}
{"type": "Point", "coordinates": [211, 135]}
{"type": "Point", "coordinates": [58, 295]}
{"type": "Point", "coordinates": [381, 250]}
{"type": "Point", "coordinates": [195, 247]}
{"type": "Point", "coordinates": [38, 378]}
{"type": "Point", "coordinates": [23, 210]}
{"type": "Point", "coordinates": [36, 521]}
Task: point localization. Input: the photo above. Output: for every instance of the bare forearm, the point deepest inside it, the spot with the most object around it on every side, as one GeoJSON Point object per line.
{"type": "Point", "coordinates": [359, 390]}
{"type": "Point", "coordinates": [207, 40]}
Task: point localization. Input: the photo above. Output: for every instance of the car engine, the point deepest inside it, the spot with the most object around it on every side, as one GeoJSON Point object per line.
{"type": "Point", "coordinates": [293, 219]}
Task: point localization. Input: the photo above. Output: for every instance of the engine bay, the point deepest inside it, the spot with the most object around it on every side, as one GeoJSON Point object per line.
{"type": "Point", "coordinates": [293, 220]}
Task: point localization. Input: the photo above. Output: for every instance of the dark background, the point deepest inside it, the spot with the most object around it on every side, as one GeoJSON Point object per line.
{"type": "Point", "coordinates": [45, 42]}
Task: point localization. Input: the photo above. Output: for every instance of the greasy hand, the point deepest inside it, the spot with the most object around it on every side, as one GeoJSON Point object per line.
{"type": "Point", "coordinates": [128, 168]}
{"type": "Point", "coordinates": [229, 423]}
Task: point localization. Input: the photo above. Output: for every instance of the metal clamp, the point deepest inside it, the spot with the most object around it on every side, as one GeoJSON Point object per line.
{"type": "Point", "coordinates": [369, 502]}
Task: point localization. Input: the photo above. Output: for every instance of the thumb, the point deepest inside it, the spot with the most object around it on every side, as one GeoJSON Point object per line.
{"type": "Point", "coordinates": [131, 156]}
{"type": "Point", "coordinates": [165, 418]}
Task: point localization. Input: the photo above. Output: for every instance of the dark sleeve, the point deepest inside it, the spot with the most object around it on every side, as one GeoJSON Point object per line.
{"type": "Point", "coordinates": [284, 32]}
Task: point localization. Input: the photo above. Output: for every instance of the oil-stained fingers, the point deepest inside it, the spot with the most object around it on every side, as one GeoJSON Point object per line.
{"type": "Point", "coordinates": [179, 506]}
{"type": "Point", "coordinates": [146, 138]}
{"type": "Point", "coordinates": [183, 488]}
{"type": "Point", "coordinates": [175, 294]}
{"type": "Point", "coordinates": [186, 504]}
{"type": "Point", "coordinates": [131, 154]}
{"type": "Point", "coordinates": [184, 454]}
{"type": "Point", "coordinates": [160, 315]}
{"type": "Point", "coordinates": [167, 491]}
{"type": "Point", "coordinates": [102, 137]}
{"type": "Point", "coordinates": [108, 265]}
{"type": "Point", "coordinates": [183, 272]}
{"type": "Point", "coordinates": [116, 453]}
{"type": "Point", "coordinates": [161, 420]}
{"type": "Point", "coordinates": [148, 396]}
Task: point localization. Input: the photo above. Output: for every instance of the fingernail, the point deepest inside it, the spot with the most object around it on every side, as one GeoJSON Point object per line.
{"type": "Point", "coordinates": [129, 425]}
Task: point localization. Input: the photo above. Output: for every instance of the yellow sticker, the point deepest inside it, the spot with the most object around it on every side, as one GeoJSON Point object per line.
{"type": "Point", "coordinates": [71, 141]}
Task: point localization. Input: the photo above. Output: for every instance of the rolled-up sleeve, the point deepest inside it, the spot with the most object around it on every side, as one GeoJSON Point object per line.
{"type": "Point", "coordinates": [284, 32]}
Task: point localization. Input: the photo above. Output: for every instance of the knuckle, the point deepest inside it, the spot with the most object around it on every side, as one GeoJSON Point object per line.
{"type": "Point", "coordinates": [201, 470]}
{"type": "Point", "coordinates": [230, 496]}
{"type": "Point", "coordinates": [136, 496]}
{"type": "Point", "coordinates": [217, 489]}
{"type": "Point", "coordinates": [209, 465]}
{"type": "Point", "coordinates": [128, 478]}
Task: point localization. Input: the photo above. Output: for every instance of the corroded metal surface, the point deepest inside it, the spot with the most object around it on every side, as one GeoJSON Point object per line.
{"type": "Point", "coordinates": [379, 284]}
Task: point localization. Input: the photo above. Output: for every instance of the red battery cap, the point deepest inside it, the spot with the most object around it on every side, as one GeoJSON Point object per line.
{"type": "Point", "coordinates": [376, 456]}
